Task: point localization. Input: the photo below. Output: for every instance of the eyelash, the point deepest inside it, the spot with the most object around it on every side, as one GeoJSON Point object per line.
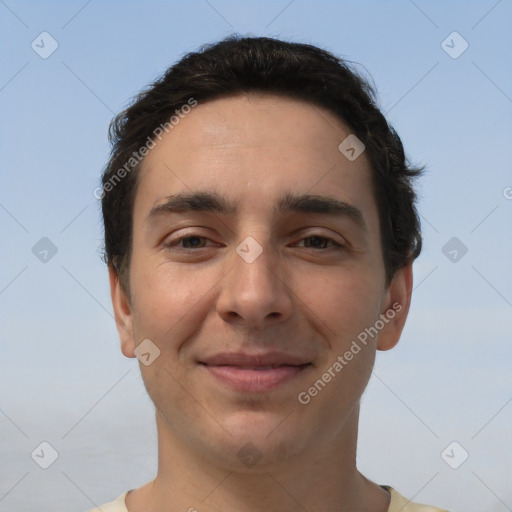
{"type": "Point", "coordinates": [176, 242]}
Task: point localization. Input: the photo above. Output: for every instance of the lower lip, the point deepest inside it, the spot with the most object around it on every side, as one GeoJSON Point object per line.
{"type": "Point", "coordinates": [243, 379]}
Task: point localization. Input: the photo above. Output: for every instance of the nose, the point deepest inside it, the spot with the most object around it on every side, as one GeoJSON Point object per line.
{"type": "Point", "coordinates": [255, 292]}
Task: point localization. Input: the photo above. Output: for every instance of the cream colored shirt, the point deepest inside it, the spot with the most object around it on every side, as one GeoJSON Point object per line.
{"type": "Point", "coordinates": [398, 504]}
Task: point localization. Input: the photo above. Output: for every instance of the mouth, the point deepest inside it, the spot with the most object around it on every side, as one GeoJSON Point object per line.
{"type": "Point", "coordinates": [254, 373]}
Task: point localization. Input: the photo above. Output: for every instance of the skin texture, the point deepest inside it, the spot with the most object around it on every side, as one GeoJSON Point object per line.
{"type": "Point", "coordinates": [302, 296]}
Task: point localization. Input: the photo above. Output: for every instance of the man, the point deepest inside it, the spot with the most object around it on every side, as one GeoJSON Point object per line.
{"type": "Point", "coordinates": [260, 231]}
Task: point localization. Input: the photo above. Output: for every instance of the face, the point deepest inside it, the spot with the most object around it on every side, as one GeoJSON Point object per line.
{"type": "Point", "coordinates": [256, 267]}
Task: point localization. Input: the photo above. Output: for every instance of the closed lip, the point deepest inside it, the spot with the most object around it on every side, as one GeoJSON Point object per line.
{"type": "Point", "coordinates": [244, 360]}
{"type": "Point", "coordinates": [255, 373]}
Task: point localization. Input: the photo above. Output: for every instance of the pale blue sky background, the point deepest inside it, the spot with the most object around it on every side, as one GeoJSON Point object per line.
{"type": "Point", "coordinates": [63, 378]}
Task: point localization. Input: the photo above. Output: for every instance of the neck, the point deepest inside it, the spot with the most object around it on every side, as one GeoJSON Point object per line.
{"type": "Point", "coordinates": [324, 480]}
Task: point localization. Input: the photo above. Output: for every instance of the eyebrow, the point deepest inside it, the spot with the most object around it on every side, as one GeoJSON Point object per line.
{"type": "Point", "coordinates": [289, 203]}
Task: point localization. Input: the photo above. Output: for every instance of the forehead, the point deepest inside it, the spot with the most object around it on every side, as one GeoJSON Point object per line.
{"type": "Point", "coordinates": [253, 149]}
{"type": "Point", "coordinates": [254, 121]}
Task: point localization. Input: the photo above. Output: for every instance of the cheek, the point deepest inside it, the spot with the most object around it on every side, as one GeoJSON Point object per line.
{"type": "Point", "coordinates": [344, 302]}
{"type": "Point", "coordinates": [166, 300]}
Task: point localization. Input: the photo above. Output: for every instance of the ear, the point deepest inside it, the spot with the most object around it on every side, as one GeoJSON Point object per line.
{"type": "Point", "coordinates": [396, 308]}
{"type": "Point", "coordinates": [122, 313]}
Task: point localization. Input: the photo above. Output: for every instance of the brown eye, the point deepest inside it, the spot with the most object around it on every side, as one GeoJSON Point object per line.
{"type": "Point", "coordinates": [320, 242]}
{"type": "Point", "coordinates": [192, 241]}
{"type": "Point", "coordinates": [188, 242]}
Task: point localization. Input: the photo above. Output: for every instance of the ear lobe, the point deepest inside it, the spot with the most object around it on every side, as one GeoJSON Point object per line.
{"type": "Point", "coordinates": [396, 308]}
{"type": "Point", "coordinates": [122, 313]}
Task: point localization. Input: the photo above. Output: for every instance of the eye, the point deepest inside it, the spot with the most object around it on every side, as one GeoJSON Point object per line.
{"type": "Point", "coordinates": [320, 242]}
{"type": "Point", "coordinates": [189, 242]}
{"type": "Point", "coordinates": [194, 241]}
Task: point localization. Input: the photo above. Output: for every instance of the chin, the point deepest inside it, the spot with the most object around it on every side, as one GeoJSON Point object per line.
{"type": "Point", "coordinates": [259, 440]}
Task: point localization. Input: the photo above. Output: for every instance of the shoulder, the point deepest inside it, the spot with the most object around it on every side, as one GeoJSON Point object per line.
{"type": "Point", "coordinates": [402, 504]}
{"type": "Point", "coordinates": [118, 505]}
